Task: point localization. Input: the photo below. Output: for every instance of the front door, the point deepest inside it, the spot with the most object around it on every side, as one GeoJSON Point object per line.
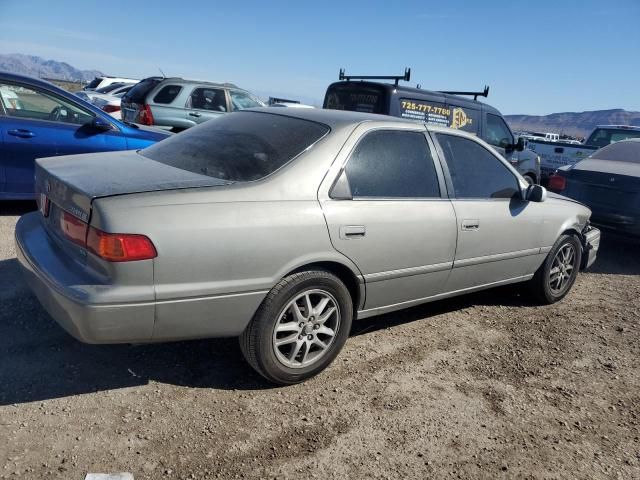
{"type": "Point", "coordinates": [499, 234]}
{"type": "Point", "coordinates": [39, 124]}
{"type": "Point", "coordinates": [393, 221]}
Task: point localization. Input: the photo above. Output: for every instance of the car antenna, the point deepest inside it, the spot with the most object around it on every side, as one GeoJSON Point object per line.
{"type": "Point", "coordinates": [406, 77]}
{"type": "Point", "coordinates": [163, 75]}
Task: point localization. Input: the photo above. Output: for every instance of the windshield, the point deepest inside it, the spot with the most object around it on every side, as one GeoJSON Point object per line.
{"type": "Point", "coordinates": [628, 152]}
{"type": "Point", "coordinates": [601, 137]}
{"type": "Point", "coordinates": [239, 147]}
{"type": "Point", "coordinates": [356, 97]}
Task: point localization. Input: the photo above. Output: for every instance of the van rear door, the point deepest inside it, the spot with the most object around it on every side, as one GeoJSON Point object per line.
{"type": "Point", "coordinates": [357, 97]}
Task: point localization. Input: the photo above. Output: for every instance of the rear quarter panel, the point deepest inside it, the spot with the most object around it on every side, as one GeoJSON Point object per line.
{"type": "Point", "coordinates": [217, 260]}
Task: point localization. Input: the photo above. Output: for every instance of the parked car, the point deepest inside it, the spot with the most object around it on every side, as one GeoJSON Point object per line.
{"type": "Point", "coordinates": [38, 119]}
{"type": "Point", "coordinates": [178, 104]}
{"type": "Point", "coordinates": [110, 104]}
{"type": "Point", "coordinates": [113, 89]}
{"type": "Point", "coordinates": [562, 152]}
{"type": "Point", "coordinates": [283, 225]}
{"type": "Point", "coordinates": [608, 182]}
{"type": "Point", "coordinates": [103, 81]}
{"type": "Point", "coordinates": [448, 109]}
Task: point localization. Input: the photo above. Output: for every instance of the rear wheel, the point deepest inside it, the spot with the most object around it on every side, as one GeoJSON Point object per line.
{"type": "Point", "coordinates": [557, 274]}
{"type": "Point", "coordinates": [299, 328]}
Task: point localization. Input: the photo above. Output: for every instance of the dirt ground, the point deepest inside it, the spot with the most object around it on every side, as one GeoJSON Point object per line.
{"type": "Point", "coordinates": [483, 386]}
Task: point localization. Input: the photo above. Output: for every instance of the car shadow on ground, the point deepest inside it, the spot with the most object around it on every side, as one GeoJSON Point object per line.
{"type": "Point", "coordinates": [618, 255]}
{"type": "Point", "coordinates": [40, 361]}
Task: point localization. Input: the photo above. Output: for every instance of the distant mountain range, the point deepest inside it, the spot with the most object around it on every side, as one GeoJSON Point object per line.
{"type": "Point", "coordinates": [39, 67]}
{"type": "Point", "coordinates": [572, 123]}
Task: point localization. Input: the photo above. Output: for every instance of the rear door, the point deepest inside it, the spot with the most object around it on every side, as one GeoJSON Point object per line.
{"type": "Point", "coordinates": [393, 222]}
{"type": "Point", "coordinates": [206, 103]}
{"type": "Point", "coordinates": [499, 235]}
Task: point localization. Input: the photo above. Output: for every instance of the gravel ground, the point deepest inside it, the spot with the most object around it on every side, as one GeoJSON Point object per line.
{"type": "Point", "coordinates": [485, 385]}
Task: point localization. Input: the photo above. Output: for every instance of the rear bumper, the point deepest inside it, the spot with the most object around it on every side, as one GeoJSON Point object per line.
{"type": "Point", "coordinates": [620, 222]}
{"type": "Point", "coordinates": [95, 311]}
{"type": "Point", "coordinates": [63, 289]}
{"type": "Point", "coordinates": [590, 244]}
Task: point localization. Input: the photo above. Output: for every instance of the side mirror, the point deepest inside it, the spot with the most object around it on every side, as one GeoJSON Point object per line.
{"type": "Point", "coordinates": [520, 145]}
{"type": "Point", "coordinates": [100, 124]}
{"type": "Point", "coordinates": [535, 193]}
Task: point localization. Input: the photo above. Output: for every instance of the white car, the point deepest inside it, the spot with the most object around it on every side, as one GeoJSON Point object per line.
{"type": "Point", "coordinates": [113, 89]}
{"type": "Point", "coordinates": [110, 104]}
{"type": "Point", "coordinates": [105, 81]}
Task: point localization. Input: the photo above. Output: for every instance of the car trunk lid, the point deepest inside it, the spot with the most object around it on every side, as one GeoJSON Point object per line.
{"type": "Point", "coordinates": [605, 182]}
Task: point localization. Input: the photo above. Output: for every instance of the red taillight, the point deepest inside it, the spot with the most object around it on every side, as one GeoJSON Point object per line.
{"type": "Point", "coordinates": [111, 108]}
{"type": "Point", "coordinates": [557, 183]}
{"type": "Point", "coordinates": [145, 116]}
{"type": "Point", "coordinates": [74, 229]}
{"type": "Point", "coordinates": [120, 247]}
{"type": "Point", "coordinates": [113, 247]}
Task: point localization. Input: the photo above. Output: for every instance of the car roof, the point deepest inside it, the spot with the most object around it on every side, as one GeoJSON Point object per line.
{"type": "Point", "coordinates": [199, 82]}
{"type": "Point", "coordinates": [14, 77]}
{"type": "Point", "coordinates": [420, 92]}
{"type": "Point", "coordinates": [337, 119]}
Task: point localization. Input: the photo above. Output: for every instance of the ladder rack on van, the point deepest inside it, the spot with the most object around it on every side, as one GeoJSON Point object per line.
{"type": "Point", "coordinates": [484, 93]}
{"type": "Point", "coordinates": [406, 77]}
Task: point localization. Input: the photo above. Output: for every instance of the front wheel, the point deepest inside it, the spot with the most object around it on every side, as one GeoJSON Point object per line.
{"type": "Point", "coordinates": [557, 274]}
{"type": "Point", "coordinates": [299, 328]}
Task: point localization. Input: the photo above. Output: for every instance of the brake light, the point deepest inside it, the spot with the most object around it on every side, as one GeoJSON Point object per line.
{"type": "Point", "coordinates": [557, 183]}
{"type": "Point", "coordinates": [111, 108]}
{"type": "Point", "coordinates": [145, 116]}
{"type": "Point", "coordinates": [120, 247]}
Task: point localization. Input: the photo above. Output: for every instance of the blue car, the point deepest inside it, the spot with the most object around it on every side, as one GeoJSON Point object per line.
{"type": "Point", "coordinates": [38, 119]}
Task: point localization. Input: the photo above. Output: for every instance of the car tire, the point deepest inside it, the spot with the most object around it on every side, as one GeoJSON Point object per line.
{"type": "Point", "coordinates": [283, 341]}
{"type": "Point", "coordinates": [529, 179]}
{"type": "Point", "coordinates": [555, 277]}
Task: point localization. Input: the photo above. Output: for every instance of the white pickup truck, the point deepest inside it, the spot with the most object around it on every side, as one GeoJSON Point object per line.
{"type": "Point", "coordinates": [557, 153]}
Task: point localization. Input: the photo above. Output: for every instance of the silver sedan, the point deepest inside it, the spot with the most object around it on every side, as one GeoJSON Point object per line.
{"type": "Point", "coordinates": [282, 227]}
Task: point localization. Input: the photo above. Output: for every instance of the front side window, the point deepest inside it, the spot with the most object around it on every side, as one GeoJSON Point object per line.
{"type": "Point", "coordinates": [242, 100]}
{"type": "Point", "coordinates": [498, 134]}
{"type": "Point", "coordinates": [239, 147]}
{"type": "Point", "coordinates": [23, 102]}
{"type": "Point", "coordinates": [392, 164]}
{"type": "Point", "coordinates": [167, 94]}
{"type": "Point", "coordinates": [212, 99]}
{"type": "Point", "coordinates": [475, 171]}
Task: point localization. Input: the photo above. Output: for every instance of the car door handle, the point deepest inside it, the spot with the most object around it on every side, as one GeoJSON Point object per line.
{"type": "Point", "coordinates": [352, 231]}
{"type": "Point", "coordinates": [195, 114]}
{"type": "Point", "coordinates": [22, 133]}
{"type": "Point", "coordinates": [470, 224]}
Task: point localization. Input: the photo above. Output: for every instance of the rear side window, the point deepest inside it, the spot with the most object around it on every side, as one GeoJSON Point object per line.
{"type": "Point", "coordinates": [239, 147]}
{"type": "Point", "coordinates": [167, 94]}
{"type": "Point", "coordinates": [138, 94]}
{"type": "Point", "coordinates": [475, 171]}
{"type": "Point", "coordinates": [208, 99]}
{"type": "Point", "coordinates": [357, 98]}
{"type": "Point", "coordinates": [392, 164]}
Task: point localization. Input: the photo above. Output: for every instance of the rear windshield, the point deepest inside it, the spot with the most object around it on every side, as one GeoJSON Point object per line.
{"type": "Point", "coordinates": [239, 147]}
{"type": "Point", "coordinates": [138, 94]}
{"type": "Point", "coordinates": [109, 88]}
{"type": "Point", "coordinates": [620, 152]}
{"type": "Point", "coordinates": [356, 98]}
{"type": "Point", "coordinates": [94, 83]}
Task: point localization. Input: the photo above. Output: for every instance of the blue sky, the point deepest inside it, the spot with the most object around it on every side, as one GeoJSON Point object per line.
{"type": "Point", "coordinates": [538, 57]}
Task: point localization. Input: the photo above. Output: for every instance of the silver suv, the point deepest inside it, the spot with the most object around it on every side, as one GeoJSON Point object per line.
{"type": "Point", "coordinates": [179, 104]}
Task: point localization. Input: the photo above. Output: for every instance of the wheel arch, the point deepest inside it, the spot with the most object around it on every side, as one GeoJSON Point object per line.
{"type": "Point", "coordinates": [343, 272]}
